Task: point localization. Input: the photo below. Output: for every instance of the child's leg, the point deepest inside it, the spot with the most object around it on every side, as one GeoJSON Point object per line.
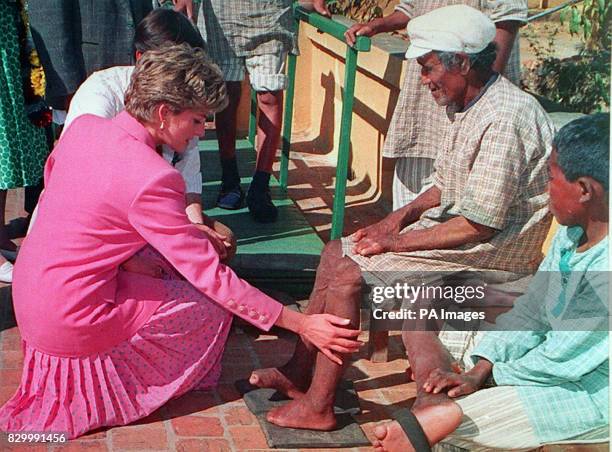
{"type": "Point", "coordinates": [231, 195]}
{"type": "Point", "coordinates": [269, 125]}
{"type": "Point", "coordinates": [267, 77]}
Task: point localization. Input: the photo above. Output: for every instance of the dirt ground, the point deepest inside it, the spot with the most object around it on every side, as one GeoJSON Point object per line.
{"type": "Point", "coordinates": [539, 32]}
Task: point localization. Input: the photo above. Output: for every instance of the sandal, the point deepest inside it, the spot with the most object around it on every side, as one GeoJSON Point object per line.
{"type": "Point", "coordinates": [413, 430]}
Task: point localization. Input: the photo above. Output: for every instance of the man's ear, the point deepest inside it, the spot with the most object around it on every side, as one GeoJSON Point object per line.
{"type": "Point", "coordinates": [589, 189]}
{"type": "Point", "coordinates": [465, 65]}
{"type": "Point", "coordinates": [137, 55]}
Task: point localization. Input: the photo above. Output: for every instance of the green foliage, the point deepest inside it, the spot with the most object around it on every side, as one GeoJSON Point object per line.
{"type": "Point", "coordinates": [582, 82]}
{"type": "Point", "coordinates": [591, 21]}
{"type": "Point", "coordinates": [358, 10]}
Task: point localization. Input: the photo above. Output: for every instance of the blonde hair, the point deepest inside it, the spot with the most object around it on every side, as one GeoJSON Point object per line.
{"type": "Point", "coordinates": [179, 76]}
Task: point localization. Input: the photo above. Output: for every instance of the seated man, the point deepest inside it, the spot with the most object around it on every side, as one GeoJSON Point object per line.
{"type": "Point", "coordinates": [548, 356]}
{"type": "Point", "coordinates": [486, 211]}
{"type": "Point", "coordinates": [102, 95]}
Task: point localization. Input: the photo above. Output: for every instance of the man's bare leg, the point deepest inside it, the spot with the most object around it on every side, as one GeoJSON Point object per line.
{"type": "Point", "coordinates": [315, 410]}
{"type": "Point", "coordinates": [294, 377]}
{"type": "Point", "coordinates": [437, 413]}
{"type": "Point", "coordinates": [269, 122]}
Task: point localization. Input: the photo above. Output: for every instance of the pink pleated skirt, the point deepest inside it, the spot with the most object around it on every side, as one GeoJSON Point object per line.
{"type": "Point", "coordinates": [179, 349]}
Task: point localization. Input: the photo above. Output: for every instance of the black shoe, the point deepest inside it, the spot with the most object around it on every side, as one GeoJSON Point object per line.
{"type": "Point", "coordinates": [230, 199]}
{"type": "Point", "coordinates": [261, 207]}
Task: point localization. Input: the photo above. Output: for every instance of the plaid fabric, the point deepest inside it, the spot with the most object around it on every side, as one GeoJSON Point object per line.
{"type": "Point", "coordinates": [412, 176]}
{"type": "Point", "coordinates": [244, 28]}
{"type": "Point", "coordinates": [418, 122]}
{"type": "Point", "coordinates": [493, 419]}
{"type": "Point", "coordinates": [559, 358]}
{"type": "Point", "coordinates": [266, 72]}
{"type": "Point", "coordinates": [78, 37]}
{"type": "Point", "coordinates": [492, 171]}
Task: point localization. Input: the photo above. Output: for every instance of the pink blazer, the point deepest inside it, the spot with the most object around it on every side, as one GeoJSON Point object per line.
{"type": "Point", "coordinates": [108, 194]}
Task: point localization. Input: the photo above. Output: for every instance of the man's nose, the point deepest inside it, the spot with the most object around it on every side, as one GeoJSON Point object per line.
{"type": "Point", "coordinates": [425, 80]}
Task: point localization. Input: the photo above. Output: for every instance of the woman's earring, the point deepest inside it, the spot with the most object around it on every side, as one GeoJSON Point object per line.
{"type": "Point", "coordinates": [161, 126]}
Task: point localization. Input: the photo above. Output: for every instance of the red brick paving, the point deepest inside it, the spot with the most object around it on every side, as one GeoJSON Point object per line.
{"type": "Point", "coordinates": [205, 421]}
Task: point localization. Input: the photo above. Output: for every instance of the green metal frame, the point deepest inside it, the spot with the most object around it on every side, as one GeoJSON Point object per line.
{"type": "Point", "coordinates": [362, 44]}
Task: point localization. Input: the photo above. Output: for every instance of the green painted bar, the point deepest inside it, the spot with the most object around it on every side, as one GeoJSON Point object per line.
{"type": "Point", "coordinates": [253, 117]}
{"type": "Point", "coordinates": [280, 254]}
{"type": "Point", "coordinates": [331, 27]}
{"type": "Point", "coordinates": [286, 138]}
{"type": "Point", "coordinates": [350, 69]}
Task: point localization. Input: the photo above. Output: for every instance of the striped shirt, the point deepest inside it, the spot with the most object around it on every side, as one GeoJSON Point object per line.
{"type": "Point", "coordinates": [558, 361]}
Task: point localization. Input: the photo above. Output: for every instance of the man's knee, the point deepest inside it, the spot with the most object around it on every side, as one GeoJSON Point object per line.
{"type": "Point", "coordinates": [332, 249]}
{"type": "Point", "coordinates": [343, 269]}
{"type": "Point", "coordinates": [269, 99]}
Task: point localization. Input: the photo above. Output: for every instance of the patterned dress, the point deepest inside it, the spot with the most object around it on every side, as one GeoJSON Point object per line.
{"type": "Point", "coordinates": [418, 123]}
{"type": "Point", "coordinates": [23, 147]}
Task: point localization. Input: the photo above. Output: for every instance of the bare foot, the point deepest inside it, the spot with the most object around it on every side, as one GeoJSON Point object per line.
{"type": "Point", "coordinates": [301, 414]}
{"type": "Point", "coordinates": [276, 378]}
{"type": "Point", "coordinates": [437, 421]}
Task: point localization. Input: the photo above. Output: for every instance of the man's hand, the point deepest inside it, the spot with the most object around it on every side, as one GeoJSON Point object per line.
{"type": "Point", "coordinates": [351, 34]}
{"type": "Point", "coordinates": [458, 384]}
{"type": "Point", "coordinates": [229, 239]}
{"type": "Point", "coordinates": [219, 241]}
{"type": "Point", "coordinates": [378, 238]}
{"type": "Point", "coordinates": [143, 266]}
{"type": "Point", "coordinates": [327, 332]}
{"type": "Point", "coordinates": [317, 5]}
{"type": "Point", "coordinates": [185, 7]}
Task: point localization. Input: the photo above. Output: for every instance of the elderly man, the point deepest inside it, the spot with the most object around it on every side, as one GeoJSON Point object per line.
{"type": "Point", "coordinates": [487, 209]}
{"type": "Point", "coordinates": [417, 123]}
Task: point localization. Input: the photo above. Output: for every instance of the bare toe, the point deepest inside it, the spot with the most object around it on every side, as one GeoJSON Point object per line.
{"type": "Point", "coordinates": [273, 378]}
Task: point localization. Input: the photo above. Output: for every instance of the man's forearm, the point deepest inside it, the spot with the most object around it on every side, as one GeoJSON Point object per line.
{"type": "Point", "coordinates": [394, 21]}
{"type": "Point", "coordinates": [450, 234]}
{"type": "Point", "coordinates": [411, 212]}
{"type": "Point", "coordinates": [504, 38]}
{"type": "Point", "coordinates": [481, 371]}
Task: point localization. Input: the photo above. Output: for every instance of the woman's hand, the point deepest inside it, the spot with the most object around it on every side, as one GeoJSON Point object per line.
{"type": "Point", "coordinates": [327, 332]}
{"type": "Point", "coordinates": [229, 239]}
{"type": "Point", "coordinates": [318, 5]}
{"type": "Point", "coordinates": [143, 266]}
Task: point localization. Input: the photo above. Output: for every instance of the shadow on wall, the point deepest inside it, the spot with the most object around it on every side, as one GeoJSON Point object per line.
{"type": "Point", "coordinates": [314, 177]}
